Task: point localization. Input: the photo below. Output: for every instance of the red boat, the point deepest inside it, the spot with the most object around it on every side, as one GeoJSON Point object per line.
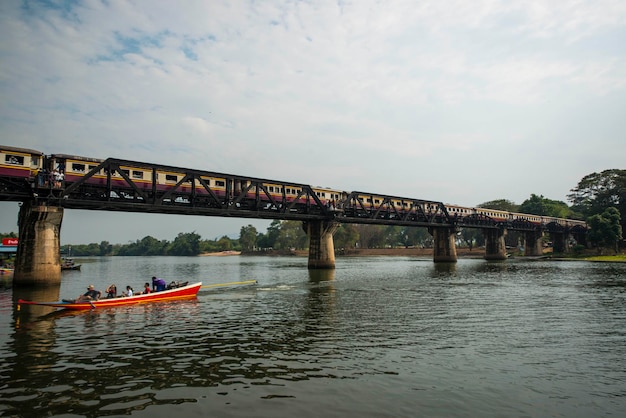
{"type": "Point", "coordinates": [187, 291]}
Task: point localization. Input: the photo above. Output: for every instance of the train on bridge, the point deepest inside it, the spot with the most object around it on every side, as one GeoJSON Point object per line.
{"type": "Point", "coordinates": [131, 179]}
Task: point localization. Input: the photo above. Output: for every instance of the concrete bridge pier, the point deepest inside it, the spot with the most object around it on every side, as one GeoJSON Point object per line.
{"type": "Point", "coordinates": [38, 252]}
{"type": "Point", "coordinates": [533, 243]}
{"type": "Point", "coordinates": [445, 246]}
{"type": "Point", "coordinates": [321, 246]}
{"type": "Point", "coordinates": [495, 247]}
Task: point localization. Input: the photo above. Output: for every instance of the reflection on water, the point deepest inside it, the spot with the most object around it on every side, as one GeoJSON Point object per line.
{"type": "Point", "coordinates": [472, 338]}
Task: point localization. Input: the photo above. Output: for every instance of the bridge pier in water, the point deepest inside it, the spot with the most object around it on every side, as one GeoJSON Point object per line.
{"type": "Point", "coordinates": [38, 253]}
{"type": "Point", "coordinates": [533, 243]}
{"type": "Point", "coordinates": [444, 243]}
{"type": "Point", "coordinates": [321, 246]}
{"type": "Point", "coordinates": [495, 247]}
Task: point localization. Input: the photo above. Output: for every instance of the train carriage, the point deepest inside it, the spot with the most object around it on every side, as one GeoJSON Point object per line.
{"type": "Point", "coordinates": [20, 162]}
{"type": "Point", "coordinates": [138, 181]}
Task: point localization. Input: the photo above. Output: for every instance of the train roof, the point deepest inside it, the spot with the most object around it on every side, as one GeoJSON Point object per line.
{"type": "Point", "coordinates": [77, 157]}
{"type": "Point", "coordinates": [18, 149]}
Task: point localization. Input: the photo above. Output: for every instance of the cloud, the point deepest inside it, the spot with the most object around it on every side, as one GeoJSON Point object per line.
{"type": "Point", "coordinates": [396, 96]}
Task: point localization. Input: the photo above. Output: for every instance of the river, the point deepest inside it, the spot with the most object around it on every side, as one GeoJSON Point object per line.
{"type": "Point", "coordinates": [377, 337]}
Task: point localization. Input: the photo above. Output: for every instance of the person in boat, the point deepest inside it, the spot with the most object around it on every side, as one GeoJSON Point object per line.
{"type": "Point", "coordinates": [146, 289]}
{"type": "Point", "coordinates": [111, 291]}
{"type": "Point", "coordinates": [158, 284]}
{"type": "Point", "coordinates": [129, 291]}
{"type": "Point", "coordinates": [90, 294]}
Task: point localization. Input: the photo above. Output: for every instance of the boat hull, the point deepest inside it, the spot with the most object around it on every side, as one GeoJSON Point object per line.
{"type": "Point", "coordinates": [184, 292]}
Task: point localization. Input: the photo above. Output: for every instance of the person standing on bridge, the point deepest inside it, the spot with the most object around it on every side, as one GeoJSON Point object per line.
{"type": "Point", "coordinates": [158, 284]}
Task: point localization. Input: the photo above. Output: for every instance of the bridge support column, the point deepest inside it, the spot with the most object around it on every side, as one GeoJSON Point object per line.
{"type": "Point", "coordinates": [445, 247]}
{"type": "Point", "coordinates": [38, 253]}
{"type": "Point", "coordinates": [495, 247]}
{"type": "Point", "coordinates": [533, 243]}
{"type": "Point", "coordinates": [321, 246]}
{"type": "Point", "coordinates": [560, 243]}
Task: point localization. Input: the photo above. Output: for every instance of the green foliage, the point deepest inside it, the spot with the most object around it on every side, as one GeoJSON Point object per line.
{"type": "Point", "coordinates": [268, 240]}
{"type": "Point", "coordinates": [539, 205]}
{"type": "Point", "coordinates": [146, 246]}
{"type": "Point", "coordinates": [606, 230]}
{"type": "Point", "coordinates": [500, 204]}
{"type": "Point", "coordinates": [248, 238]}
{"type": "Point", "coordinates": [596, 192]}
{"type": "Point", "coordinates": [346, 236]}
{"type": "Point", "coordinates": [291, 235]}
{"type": "Point", "coordinates": [185, 244]}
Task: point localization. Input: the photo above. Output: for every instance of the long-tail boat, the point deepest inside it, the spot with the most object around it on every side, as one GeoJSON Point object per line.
{"type": "Point", "coordinates": [184, 291]}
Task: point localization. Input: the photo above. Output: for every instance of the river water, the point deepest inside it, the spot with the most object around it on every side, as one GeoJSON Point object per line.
{"type": "Point", "coordinates": [377, 337]}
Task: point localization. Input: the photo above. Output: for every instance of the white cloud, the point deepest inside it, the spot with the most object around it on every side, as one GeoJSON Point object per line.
{"type": "Point", "coordinates": [396, 97]}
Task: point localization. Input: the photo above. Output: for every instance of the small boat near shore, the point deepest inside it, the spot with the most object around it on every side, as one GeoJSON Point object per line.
{"type": "Point", "coordinates": [69, 264]}
{"type": "Point", "coordinates": [185, 291]}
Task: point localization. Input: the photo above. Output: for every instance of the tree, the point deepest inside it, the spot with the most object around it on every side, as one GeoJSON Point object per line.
{"type": "Point", "coordinates": [596, 192]}
{"type": "Point", "coordinates": [371, 236]}
{"type": "Point", "coordinates": [472, 237]}
{"type": "Point", "coordinates": [411, 236]}
{"type": "Point", "coordinates": [500, 204]}
{"type": "Point", "coordinates": [248, 237]}
{"type": "Point", "coordinates": [105, 248]}
{"type": "Point", "coordinates": [606, 230]}
{"type": "Point", "coordinates": [291, 235]}
{"type": "Point", "coordinates": [539, 205]}
{"type": "Point", "coordinates": [268, 240]}
{"type": "Point", "coordinates": [346, 236]}
{"type": "Point", "coordinates": [185, 244]}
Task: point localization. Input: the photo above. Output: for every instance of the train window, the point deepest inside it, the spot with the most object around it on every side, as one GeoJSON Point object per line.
{"type": "Point", "coordinates": [377, 201]}
{"type": "Point", "coordinates": [34, 161]}
{"type": "Point", "coordinates": [271, 189]}
{"type": "Point", "coordinates": [78, 167]}
{"type": "Point", "coordinates": [127, 172]}
{"type": "Point", "coordinates": [171, 177]}
{"type": "Point", "coordinates": [219, 183]}
{"type": "Point", "coordinates": [137, 174]}
{"type": "Point", "coordinates": [14, 159]}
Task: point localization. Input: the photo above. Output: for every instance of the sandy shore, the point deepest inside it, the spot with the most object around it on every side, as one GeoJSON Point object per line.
{"type": "Point", "coordinates": [220, 254]}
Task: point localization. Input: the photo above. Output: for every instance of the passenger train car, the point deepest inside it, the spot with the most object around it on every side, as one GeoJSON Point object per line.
{"type": "Point", "coordinates": [22, 163]}
{"type": "Point", "coordinates": [34, 165]}
{"type": "Point", "coordinates": [505, 216]}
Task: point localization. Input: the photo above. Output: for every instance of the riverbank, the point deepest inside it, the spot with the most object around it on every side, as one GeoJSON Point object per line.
{"type": "Point", "coordinates": [368, 252]}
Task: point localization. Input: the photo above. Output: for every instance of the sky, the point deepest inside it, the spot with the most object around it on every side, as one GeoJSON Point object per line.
{"type": "Point", "coordinates": [462, 102]}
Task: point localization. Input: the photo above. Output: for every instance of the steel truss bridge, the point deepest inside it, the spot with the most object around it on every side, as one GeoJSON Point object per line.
{"type": "Point", "coordinates": [191, 195]}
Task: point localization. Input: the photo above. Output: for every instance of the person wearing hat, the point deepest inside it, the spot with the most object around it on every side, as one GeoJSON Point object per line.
{"type": "Point", "coordinates": [90, 294]}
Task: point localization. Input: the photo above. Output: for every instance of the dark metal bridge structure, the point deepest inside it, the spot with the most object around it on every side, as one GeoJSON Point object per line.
{"type": "Point", "coordinates": [183, 199]}
{"type": "Point", "coordinates": [130, 186]}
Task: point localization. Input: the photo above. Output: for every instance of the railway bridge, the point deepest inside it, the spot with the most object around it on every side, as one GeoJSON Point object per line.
{"type": "Point", "coordinates": [131, 186]}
